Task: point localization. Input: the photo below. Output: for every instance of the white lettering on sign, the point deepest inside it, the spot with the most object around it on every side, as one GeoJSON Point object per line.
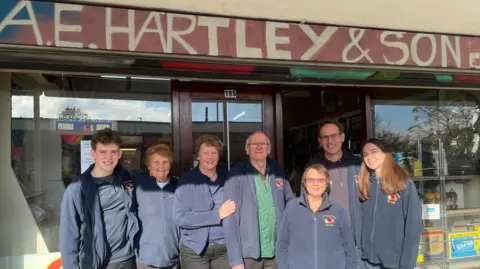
{"type": "Point", "coordinates": [155, 17]}
{"type": "Point", "coordinates": [242, 49]}
{"type": "Point", "coordinates": [472, 60]}
{"type": "Point", "coordinates": [454, 52]}
{"type": "Point", "coordinates": [356, 36]}
{"type": "Point", "coordinates": [177, 34]}
{"type": "Point", "coordinates": [446, 48]}
{"type": "Point", "coordinates": [59, 27]}
{"type": "Point", "coordinates": [318, 40]}
{"type": "Point", "coordinates": [414, 49]}
{"type": "Point", "coordinates": [395, 44]}
{"type": "Point", "coordinates": [184, 34]}
{"type": "Point", "coordinates": [273, 40]}
{"type": "Point", "coordinates": [129, 29]}
{"type": "Point", "coordinates": [10, 20]}
{"type": "Point", "coordinates": [212, 25]}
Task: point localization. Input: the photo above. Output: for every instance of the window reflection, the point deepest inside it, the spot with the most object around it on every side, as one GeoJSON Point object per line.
{"type": "Point", "coordinates": [51, 148]}
{"type": "Point", "coordinates": [435, 136]}
{"type": "Point", "coordinates": [243, 120]}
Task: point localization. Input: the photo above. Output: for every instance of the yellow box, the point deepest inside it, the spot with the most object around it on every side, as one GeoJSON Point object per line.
{"type": "Point", "coordinates": [420, 258]}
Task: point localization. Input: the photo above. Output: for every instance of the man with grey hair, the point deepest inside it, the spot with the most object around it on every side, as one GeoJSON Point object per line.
{"type": "Point", "coordinates": [260, 191]}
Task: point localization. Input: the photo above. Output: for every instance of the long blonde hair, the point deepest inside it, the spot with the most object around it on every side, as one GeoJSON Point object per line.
{"type": "Point", "coordinates": [393, 177]}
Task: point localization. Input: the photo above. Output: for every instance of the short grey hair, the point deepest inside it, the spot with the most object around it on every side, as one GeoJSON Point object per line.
{"type": "Point", "coordinates": [254, 133]}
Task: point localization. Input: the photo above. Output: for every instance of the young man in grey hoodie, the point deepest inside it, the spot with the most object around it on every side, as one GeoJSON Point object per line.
{"type": "Point", "coordinates": [98, 222]}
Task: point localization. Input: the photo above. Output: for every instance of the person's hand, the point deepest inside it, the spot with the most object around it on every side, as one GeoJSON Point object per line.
{"type": "Point", "coordinates": [227, 209]}
{"type": "Point", "coordinates": [241, 266]}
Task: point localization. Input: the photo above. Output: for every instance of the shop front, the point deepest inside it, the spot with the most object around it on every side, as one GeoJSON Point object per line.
{"type": "Point", "coordinates": [69, 70]}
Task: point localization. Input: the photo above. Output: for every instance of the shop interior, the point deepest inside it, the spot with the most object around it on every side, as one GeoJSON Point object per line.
{"type": "Point", "coordinates": [304, 109]}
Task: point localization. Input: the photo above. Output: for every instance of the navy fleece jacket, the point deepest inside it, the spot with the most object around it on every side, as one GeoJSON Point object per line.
{"type": "Point", "coordinates": [353, 163]}
{"type": "Point", "coordinates": [83, 243]}
{"type": "Point", "coordinates": [320, 240]}
{"type": "Point", "coordinates": [158, 243]}
{"type": "Point", "coordinates": [241, 228]}
{"type": "Point", "coordinates": [392, 225]}
{"type": "Point", "coordinates": [194, 208]}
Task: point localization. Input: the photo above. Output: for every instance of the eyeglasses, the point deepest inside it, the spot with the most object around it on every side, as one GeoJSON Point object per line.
{"type": "Point", "coordinates": [331, 137]}
{"type": "Point", "coordinates": [315, 180]}
{"type": "Point", "coordinates": [259, 144]}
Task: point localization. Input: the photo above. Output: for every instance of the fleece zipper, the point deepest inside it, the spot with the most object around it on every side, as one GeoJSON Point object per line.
{"type": "Point", "coordinates": [315, 238]}
{"type": "Point", "coordinates": [374, 215]}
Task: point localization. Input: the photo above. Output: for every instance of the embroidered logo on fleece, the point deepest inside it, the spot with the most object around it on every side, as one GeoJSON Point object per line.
{"type": "Point", "coordinates": [393, 198]}
{"type": "Point", "coordinates": [329, 220]}
{"type": "Point", "coordinates": [128, 185]}
{"type": "Point", "coordinates": [279, 183]}
{"type": "Point", "coordinates": [356, 178]}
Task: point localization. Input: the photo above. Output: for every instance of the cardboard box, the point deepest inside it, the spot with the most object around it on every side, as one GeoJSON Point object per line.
{"type": "Point", "coordinates": [433, 244]}
{"type": "Point", "coordinates": [462, 226]}
{"type": "Point", "coordinates": [476, 224]}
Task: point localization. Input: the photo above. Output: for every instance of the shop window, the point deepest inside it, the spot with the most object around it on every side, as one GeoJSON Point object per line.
{"type": "Point", "coordinates": [303, 110]}
{"type": "Point", "coordinates": [52, 125]}
{"type": "Point", "coordinates": [435, 136]}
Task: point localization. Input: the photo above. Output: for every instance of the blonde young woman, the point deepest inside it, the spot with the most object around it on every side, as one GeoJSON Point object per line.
{"type": "Point", "coordinates": [391, 210]}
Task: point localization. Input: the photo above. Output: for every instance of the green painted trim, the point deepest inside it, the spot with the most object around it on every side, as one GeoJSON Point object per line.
{"type": "Point", "coordinates": [327, 74]}
{"type": "Point", "coordinates": [444, 77]}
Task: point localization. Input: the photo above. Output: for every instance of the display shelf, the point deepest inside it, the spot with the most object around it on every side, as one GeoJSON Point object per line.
{"type": "Point", "coordinates": [425, 178]}
{"type": "Point", "coordinates": [463, 212]}
{"type": "Point", "coordinates": [35, 194]}
{"type": "Point", "coordinates": [439, 178]}
{"type": "Point", "coordinates": [429, 263]}
{"type": "Point", "coordinates": [475, 258]}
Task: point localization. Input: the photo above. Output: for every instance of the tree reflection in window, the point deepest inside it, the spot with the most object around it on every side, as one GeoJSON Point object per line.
{"type": "Point", "coordinates": [454, 123]}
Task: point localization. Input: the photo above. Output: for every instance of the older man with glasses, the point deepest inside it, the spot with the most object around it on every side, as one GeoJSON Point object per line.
{"type": "Point", "coordinates": [343, 168]}
{"type": "Point", "coordinates": [260, 191]}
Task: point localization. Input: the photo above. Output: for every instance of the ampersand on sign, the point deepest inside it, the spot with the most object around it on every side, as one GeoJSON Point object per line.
{"type": "Point", "coordinates": [355, 36]}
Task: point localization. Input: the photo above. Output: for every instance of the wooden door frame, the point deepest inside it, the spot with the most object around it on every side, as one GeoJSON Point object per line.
{"type": "Point", "coordinates": [182, 95]}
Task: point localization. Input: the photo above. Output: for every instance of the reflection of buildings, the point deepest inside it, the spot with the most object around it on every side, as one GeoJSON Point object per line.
{"type": "Point", "coordinates": [238, 133]}
{"type": "Point", "coordinates": [59, 162]}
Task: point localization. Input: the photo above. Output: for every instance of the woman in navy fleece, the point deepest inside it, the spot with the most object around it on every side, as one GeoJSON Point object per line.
{"type": "Point", "coordinates": [199, 209]}
{"type": "Point", "coordinates": [392, 221]}
{"type": "Point", "coordinates": [314, 232]}
{"type": "Point", "coordinates": [158, 245]}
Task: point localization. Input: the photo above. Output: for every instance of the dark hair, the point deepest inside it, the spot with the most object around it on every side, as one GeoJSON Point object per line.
{"type": "Point", "coordinates": [106, 136]}
{"type": "Point", "coordinates": [393, 177]}
{"type": "Point", "coordinates": [381, 144]}
{"type": "Point", "coordinates": [209, 140]}
{"type": "Point", "coordinates": [330, 121]}
{"type": "Point", "coordinates": [160, 149]}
